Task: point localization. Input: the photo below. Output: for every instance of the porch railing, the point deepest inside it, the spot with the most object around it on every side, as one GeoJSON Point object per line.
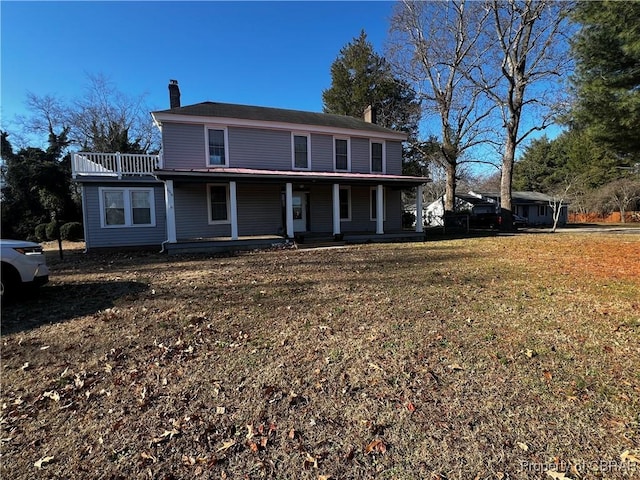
{"type": "Point", "coordinates": [113, 164]}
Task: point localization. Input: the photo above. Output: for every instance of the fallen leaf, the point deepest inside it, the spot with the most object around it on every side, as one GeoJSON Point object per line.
{"type": "Point", "coordinates": [310, 461]}
{"type": "Point", "coordinates": [574, 471]}
{"type": "Point", "coordinates": [226, 445]}
{"type": "Point", "coordinates": [523, 446]}
{"type": "Point", "coordinates": [166, 435]}
{"type": "Point", "coordinates": [455, 367]}
{"type": "Point", "coordinates": [25, 366]}
{"type": "Point", "coordinates": [53, 395]}
{"type": "Point", "coordinates": [292, 434]}
{"type": "Point", "coordinates": [147, 456]}
{"type": "Point", "coordinates": [253, 446]}
{"type": "Point", "coordinates": [627, 456]}
{"type": "Point", "coordinates": [324, 477]}
{"type": "Point", "coordinates": [221, 410]}
{"type": "Point", "coordinates": [376, 445]}
{"type": "Point", "coordinates": [557, 475]}
{"type": "Point", "coordinates": [547, 375]}
{"type": "Point", "coordinates": [42, 461]}
{"type": "Point", "coordinates": [411, 407]}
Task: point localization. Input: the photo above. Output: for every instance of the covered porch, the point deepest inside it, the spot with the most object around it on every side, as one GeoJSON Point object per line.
{"type": "Point", "coordinates": [290, 205]}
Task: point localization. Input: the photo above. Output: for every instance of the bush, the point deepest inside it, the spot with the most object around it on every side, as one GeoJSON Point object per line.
{"type": "Point", "coordinates": [41, 232]}
{"type": "Point", "coordinates": [52, 230]}
{"type": "Point", "coordinates": [72, 231]}
{"type": "Point", "coordinates": [408, 219]}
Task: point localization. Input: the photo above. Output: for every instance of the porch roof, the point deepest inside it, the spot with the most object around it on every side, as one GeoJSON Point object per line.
{"type": "Point", "coordinates": [207, 175]}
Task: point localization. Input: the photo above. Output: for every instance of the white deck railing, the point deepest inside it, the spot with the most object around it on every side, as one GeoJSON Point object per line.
{"type": "Point", "coordinates": [113, 164]}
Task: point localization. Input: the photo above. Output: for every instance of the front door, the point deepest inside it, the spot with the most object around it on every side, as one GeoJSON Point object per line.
{"type": "Point", "coordinates": [299, 200]}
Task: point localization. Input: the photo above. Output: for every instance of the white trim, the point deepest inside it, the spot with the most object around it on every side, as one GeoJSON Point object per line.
{"type": "Point", "coordinates": [419, 221]}
{"type": "Point", "coordinates": [264, 124]}
{"type": "Point", "coordinates": [384, 198]}
{"type": "Point", "coordinates": [335, 168]}
{"type": "Point", "coordinates": [289, 208]}
{"type": "Point", "coordinates": [210, 220]}
{"type": "Point", "coordinates": [207, 155]}
{"type": "Point", "coordinates": [128, 209]}
{"type": "Point", "coordinates": [380, 210]}
{"type": "Point", "coordinates": [384, 155]}
{"type": "Point", "coordinates": [336, 208]}
{"type": "Point", "coordinates": [171, 211]}
{"type": "Point", "coordinates": [233, 207]}
{"type": "Point", "coordinates": [293, 150]}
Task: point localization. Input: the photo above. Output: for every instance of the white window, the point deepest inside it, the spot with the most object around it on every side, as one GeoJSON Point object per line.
{"type": "Point", "coordinates": [127, 207]}
{"type": "Point", "coordinates": [373, 204]}
{"type": "Point", "coordinates": [542, 210]}
{"type": "Point", "coordinates": [217, 141]}
{"type": "Point", "coordinates": [378, 159]}
{"type": "Point", "coordinates": [301, 152]}
{"type": "Point", "coordinates": [341, 154]}
{"type": "Point", "coordinates": [345, 204]}
{"type": "Point", "coordinates": [218, 203]}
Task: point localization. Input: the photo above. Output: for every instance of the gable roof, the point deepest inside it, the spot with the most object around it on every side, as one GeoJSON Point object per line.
{"type": "Point", "coordinates": [275, 115]}
{"type": "Point", "coordinates": [522, 197]}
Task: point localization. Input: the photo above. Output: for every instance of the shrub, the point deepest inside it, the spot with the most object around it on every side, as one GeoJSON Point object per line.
{"type": "Point", "coordinates": [72, 231]}
{"type": "Point", "coordinates": [408, 219]}
{"type": "Point", "coordinates": [52, 230]}
{"type": "Point", "coordinates": [41, 232]}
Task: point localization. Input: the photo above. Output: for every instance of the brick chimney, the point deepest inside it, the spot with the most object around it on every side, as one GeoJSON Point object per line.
{"type": "Point", "coordinates": [370, 114]}
{"type": "Point", "coordinates": [174, 94]}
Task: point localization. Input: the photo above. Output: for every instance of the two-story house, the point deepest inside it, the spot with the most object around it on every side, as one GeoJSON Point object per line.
{"type": "Point", "coordinates": [231, 175]}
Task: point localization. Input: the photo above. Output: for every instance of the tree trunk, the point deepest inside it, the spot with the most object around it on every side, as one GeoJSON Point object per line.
{"type": "Point", "coordinates": [450, 191]}
{"type": "Point", "coordinates": [506, 209]}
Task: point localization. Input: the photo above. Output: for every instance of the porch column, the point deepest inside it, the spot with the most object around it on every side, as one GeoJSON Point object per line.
{"type": "Point", "coordinates": [379, 209]}
{"type": "Point", "coordinates": [419, 225]}
{"type": "Point", "coordinates": [171, 211]}
{"type": "Point", "coordinates": [233, 207]}
{"type": "Point", "coordinates": [289, 209]}
{"type": "Point", "coordinates": [336, 209]}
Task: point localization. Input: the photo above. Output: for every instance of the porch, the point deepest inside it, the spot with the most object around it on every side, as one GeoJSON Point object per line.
{"type": "Point", "coordinates": [303, 240]}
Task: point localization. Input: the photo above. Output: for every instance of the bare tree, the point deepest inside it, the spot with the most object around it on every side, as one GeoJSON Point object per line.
{"type": "Point", "coordinates": [621, 195]}
{"type": "Point", "coordinates": [434, 47]}
{"type": "Point", "coordinates": [529, 55]}
{"type": "Point", "coordinates": [103, 119]}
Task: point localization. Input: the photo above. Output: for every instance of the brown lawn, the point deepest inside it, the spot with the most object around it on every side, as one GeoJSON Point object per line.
{"type": "Point", "coordinates": [502, 357]}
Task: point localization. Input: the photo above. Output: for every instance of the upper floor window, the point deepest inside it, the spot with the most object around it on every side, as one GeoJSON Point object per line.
{"type": "Point", "coordinates": [218, 197]}
{"type": "Point", "coordinates": [377, 157]}
{"type": "Point", "coordinates": [301, 152]}
{"type": "Point", "coordinates": [341, 153]}
{"type": "Point", "coordinates": [217, 147]}
{"type": "Point", "coordinates": [127, 207]}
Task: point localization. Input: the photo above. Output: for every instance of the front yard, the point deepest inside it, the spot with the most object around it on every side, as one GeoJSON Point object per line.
{"type": "Point", "coordinates": [499, 357]}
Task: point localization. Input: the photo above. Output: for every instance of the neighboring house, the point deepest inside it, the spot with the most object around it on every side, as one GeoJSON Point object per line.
{"type": "Point", "coordinates": [534, 206]}
{"type": "Point", "coordinates": [234, 175]}
{"type": "Point", "coordinates": [434, 212]}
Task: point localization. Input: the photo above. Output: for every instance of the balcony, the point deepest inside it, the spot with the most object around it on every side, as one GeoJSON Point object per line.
{"type": "Point", "coordinates": [118, 165]}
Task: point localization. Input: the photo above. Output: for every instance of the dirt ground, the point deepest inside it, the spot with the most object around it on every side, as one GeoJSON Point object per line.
{"type": "Point", "coordinates": [506, 357]}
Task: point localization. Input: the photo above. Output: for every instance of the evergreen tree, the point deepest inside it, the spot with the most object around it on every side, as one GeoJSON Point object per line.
{"type": "Point", "coordinates": [607, 75]}
{"type": "Point", "coordinates": [361, 78]}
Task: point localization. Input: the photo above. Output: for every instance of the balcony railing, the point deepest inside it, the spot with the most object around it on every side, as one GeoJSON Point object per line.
{"type": "Point", "coordinates": [113, 164]}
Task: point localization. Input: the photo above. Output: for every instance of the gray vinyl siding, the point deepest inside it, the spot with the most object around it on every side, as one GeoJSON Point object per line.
{"type": "Point", "coordinates": [321, 208]}
{"type": "Point", "coordinates": [394, 158]}
{"type": "Point", "coordinates": [360, 155]}
{"type": "Point", "coordinates": [259, 209]}
{"type": "Point", "coordinates": [192, 217]}
{"type": "Point", "coordinates": [183, 146]}
{"type": "Point", "coordinates": [99, 237]}
{"type": "Point", "coordinates": [322, 153]}
{"type": "Point", "coordinates": [260, 149]}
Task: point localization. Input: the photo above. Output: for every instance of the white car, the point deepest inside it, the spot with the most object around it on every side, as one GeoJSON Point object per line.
{"type": "Point", "coordinates": [23, 265]}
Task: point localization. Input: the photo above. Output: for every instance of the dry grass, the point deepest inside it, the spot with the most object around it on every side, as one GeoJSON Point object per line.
{"type": "Point", "coordinates": [500, 357]}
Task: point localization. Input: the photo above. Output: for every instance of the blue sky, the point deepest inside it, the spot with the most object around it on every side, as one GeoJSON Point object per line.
{"type": "Point", "coordinates": [275, 54]}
